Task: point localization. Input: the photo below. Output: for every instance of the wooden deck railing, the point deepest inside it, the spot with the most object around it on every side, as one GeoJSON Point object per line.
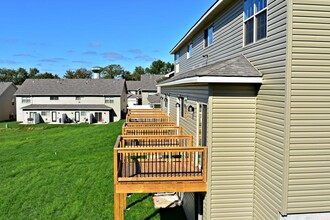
{"type": "Point", "coordinates": [139, 141]}
{"type": "Point", "coordinates": [141, 111]}
{"type": "Point", "coordinates": [171, 130]}
{"type": "Point", "coordinates": [146, 113]}
{"type": "Point", "coordinates": [149, 124]}
{"type": "Point", "coordinates": [160, 164]}
{"type": "Point", "coordinates": [147, 118]}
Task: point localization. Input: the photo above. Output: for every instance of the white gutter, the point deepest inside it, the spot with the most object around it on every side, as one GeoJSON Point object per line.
{"type": "Point", "coordinates": [214, 79]}
{"type": "Point", "coordinates": [201, 20]}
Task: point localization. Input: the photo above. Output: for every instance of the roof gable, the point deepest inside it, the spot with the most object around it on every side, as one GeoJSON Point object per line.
{"type": "Point", "coordinates": [149, 81]}
{"type": "Point", "coordinates": [4, 86]}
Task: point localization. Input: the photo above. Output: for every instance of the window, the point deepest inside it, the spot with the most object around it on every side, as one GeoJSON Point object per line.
{"type": "Point", "coordinates": [255, 20]}
{"type": "Point", "coordinates": [208, 37]}
{"type": "Point", "coordinates": [79, 98]}
{"type": "Point", "coordinates": [189, 50]}
{"type": "Point", "coordinates": [109, 100]}
{"type": "Point", "coordinates": [26, 99]}
{"type": "Point", "coordinates": [83, 113]}
{"type": "Point", "coordinates": [53, 97]}
{"type": "Point", "coordinates": [176, 58]}
{"type": "Point", "coordinates": [45, 113]}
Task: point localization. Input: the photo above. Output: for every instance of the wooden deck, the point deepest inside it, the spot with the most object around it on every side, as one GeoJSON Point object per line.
{"type": "Point", "coordinates": [147, 118]}
{"type": "Point", "coordinates": [165, 130]}
{"type": "Point", "coordinates": [152, 155]}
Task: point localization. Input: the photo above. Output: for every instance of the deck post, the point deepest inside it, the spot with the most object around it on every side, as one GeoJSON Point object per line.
{"type": "Point", "coordinates": [119, 205]}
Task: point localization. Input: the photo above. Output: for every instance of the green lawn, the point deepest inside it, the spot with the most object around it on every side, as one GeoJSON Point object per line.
{"type": "Point", "coordinates": [63, 172]}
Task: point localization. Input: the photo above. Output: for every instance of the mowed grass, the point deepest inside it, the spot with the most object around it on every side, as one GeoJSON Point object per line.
{"type": "Point", "coordinates": [62, 172]}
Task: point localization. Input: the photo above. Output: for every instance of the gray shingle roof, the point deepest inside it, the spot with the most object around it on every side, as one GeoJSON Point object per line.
{"type": "Point", "coordinates": [154, 98]}
{"type": "Point", "coordinates": [84, 87]}
{"type": "Point", "coordinates": [67, 107]}
{"type": "Point", "coordinates": [133, 85]}
{"type": "Point", "coordinates": [149, 81]}
{"type": "Point", "coordinates": [235, 67]}
{"type": "Point", "coordinates": [4, 86]}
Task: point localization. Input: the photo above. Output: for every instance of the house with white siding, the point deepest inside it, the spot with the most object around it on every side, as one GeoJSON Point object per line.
{"type": "Point", "coordinates": [71, 100]}
{"type": "Point", "coordinates": [143, 92]}
{"type": "Point", "coordinates": [252, 83]}
{"type": "Point", "coordinates": [7, 101]}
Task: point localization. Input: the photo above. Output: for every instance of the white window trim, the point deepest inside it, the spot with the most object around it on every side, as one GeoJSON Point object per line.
{"type": "Point", "coordinates": [255, 14]}
{"type": "Point", "coordinates": [109, 100]}
{"type": "Point", "coordinates": [26, 99]}
{"type": "Point", "coordinates": [208, 36]}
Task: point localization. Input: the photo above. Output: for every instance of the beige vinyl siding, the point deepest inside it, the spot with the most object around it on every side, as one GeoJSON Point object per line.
{"type": "Point", "coordinates": [309, 169]}
{"type": "Point", "coordinates": [233, 154]}
{"type": "Point", "coordinates": [189, 123]}
{"type": "Point", "coordinates": [269, 57]}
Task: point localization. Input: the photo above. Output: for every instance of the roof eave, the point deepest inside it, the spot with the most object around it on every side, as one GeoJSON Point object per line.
{"type": "Point", "coordinates": [214, 79]}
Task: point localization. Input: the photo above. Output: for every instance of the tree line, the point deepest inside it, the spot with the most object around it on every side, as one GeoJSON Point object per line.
{"type": "Point", "coordinates": [108, 72]}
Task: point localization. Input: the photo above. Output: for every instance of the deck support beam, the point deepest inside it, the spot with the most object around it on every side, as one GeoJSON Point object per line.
{"type": "Point", "coordinates": [152, 187]}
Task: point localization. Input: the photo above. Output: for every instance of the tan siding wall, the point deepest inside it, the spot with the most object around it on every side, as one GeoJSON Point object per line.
{"type": "Point", "coordinates": [233, 153]}
{"type": "Point", "coordinates": [309, 170]}
{"type": "Point", "coordinates": [269, 57]}
{"type": "Point", "coordinates": [189, 123]}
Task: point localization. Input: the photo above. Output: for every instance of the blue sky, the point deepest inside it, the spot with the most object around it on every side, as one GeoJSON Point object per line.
{"type": "Point", "coordinates": [60, 35]}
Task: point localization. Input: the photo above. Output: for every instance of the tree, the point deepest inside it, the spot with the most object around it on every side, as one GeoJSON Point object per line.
{"type": "Point", "coordinates": [159, 67]}
{"type": "Point", "coordinates": [110, 71]}
{"type": "Point", "coordinates": [127, 75]}
{"type": "Point", "coordinates": [138, 71]}
{"type": "Point", "coordinates": [81, 73]}
{"type": "Point", "coordinates": [33, 72]}
{"type": "Point", "coordinates": [46, 75]}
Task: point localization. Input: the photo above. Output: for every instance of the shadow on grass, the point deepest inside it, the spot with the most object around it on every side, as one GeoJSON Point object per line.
{"type": "Point", "coordinates": [167, 213]}
{"type": "Point", "coordinates": [138, 201]}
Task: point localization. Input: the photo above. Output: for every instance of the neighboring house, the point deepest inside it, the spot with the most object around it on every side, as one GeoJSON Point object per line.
{"type": "Point", "coordinates": [154, 101]}
{"type": "Point", "coordinates": [7, 101]}
{"type": "Point", "coordinates": [255, 77]}
{"type": "Point", "coordinates": [134, 93]}
{"type": "Point", "coordinates": [148, 86]}
{"type": "Point", "coordinates": [71, 100]}
{"type": "Point", "coordinates": [139, 91]}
